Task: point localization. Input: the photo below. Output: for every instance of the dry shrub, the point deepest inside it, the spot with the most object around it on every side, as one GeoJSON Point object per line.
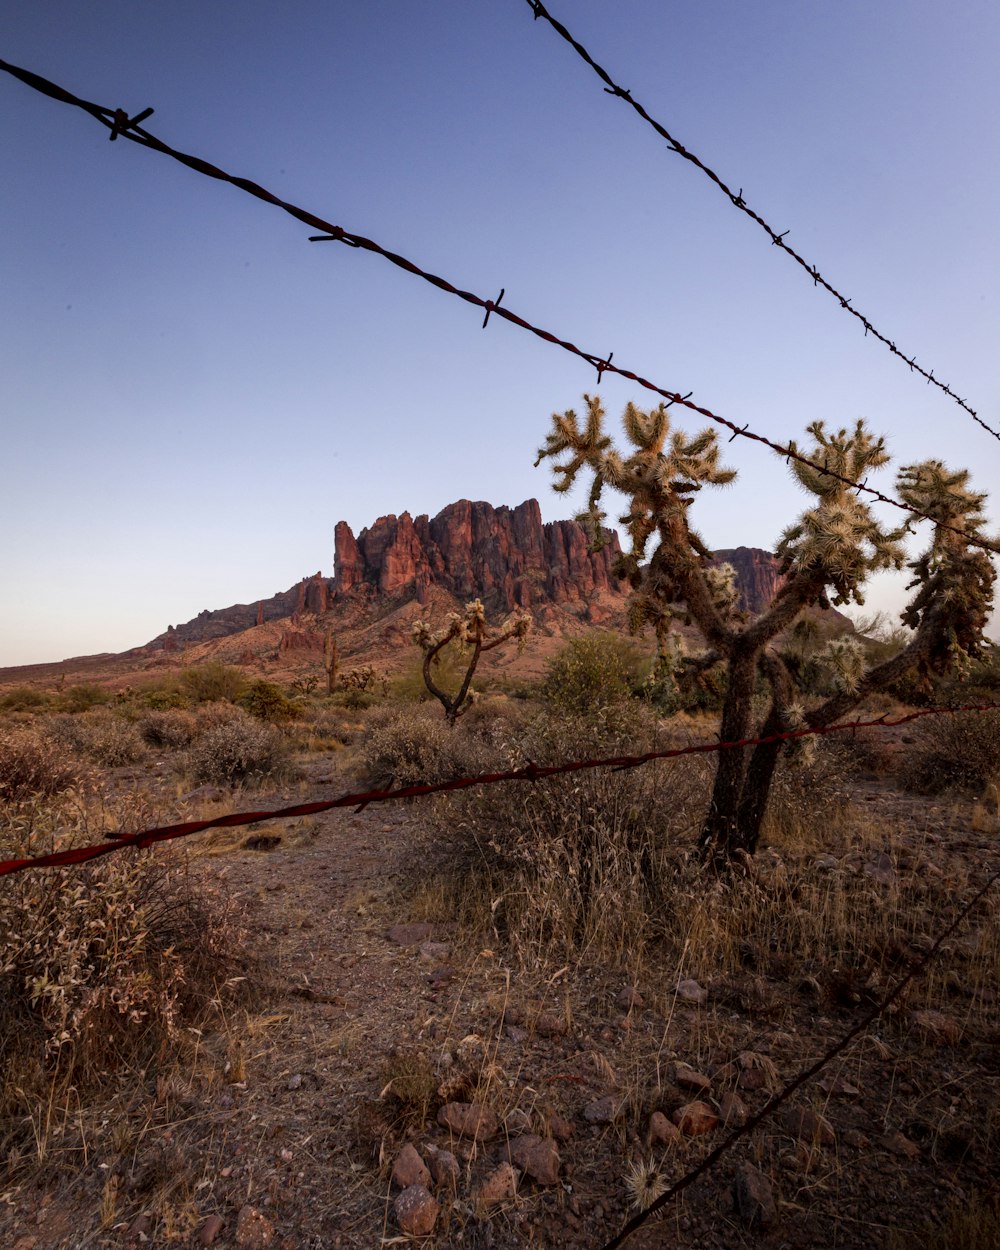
{"type": "Point", "coordinates": [583, 860]}
{"type": "Point", "coordinates": [102, 966]}
{"type": "Point", "coordinates": [170, 728]}
{"type": "Point", "coordinates": [409, 745]}
{"type": "Point", "coordinates": [971, 1225]}
{"type": "Point", "coordinates": [239, 750]}
{"type": "Point", "coordinates": [31, 764]}
{"type": "Point", "coordinates": [809, 801]}
{"type": "Point", "coordinates": [961, 751]}
{"type": "Point", "coordinates": [111, 740]}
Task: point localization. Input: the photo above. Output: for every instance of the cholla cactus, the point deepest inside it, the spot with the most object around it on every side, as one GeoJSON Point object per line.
{"type": "Point", "coordinates": [827, 556]}
{"type": "Point", "coordinates": [467, 629]}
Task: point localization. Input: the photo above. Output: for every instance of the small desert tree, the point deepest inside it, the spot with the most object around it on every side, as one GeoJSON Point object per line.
{"type": "Point", "coordinates": [469, 631]}
{"type": "Point", "coordinates": [826, 557]}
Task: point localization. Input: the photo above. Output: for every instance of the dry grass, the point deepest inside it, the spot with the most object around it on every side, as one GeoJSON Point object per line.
{"type": "Point", "coordinates": [955, 752]}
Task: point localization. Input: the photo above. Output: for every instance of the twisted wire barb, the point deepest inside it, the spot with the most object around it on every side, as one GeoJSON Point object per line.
{"type": "Point", "coordinates": [736, 198]}
{"type": "Point", "coordinates": [118, 122]}
{"type": "Point", "coordinates": [530, 772]}
{"type": "Point", "coordinates": [805, 1075]}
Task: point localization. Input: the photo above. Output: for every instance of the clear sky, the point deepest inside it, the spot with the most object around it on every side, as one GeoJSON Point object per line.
{"type": "Point", "coordinates": [193, 395]}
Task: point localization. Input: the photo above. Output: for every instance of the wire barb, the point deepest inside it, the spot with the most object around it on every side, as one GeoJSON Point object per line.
{"type": "Point", "coordinates": [122, 122]}
{"type": "Point", "coordinates": [492, 305]}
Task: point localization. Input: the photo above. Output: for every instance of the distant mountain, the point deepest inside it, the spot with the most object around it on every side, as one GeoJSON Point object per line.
{"type": "Point", "coordinates": [505, 556]}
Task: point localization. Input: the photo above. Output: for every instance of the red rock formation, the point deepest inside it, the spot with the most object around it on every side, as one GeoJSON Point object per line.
{"type": "Point", "coordinates": [504, 556]}
{"type": "Point", "coordinates": [757, 575]}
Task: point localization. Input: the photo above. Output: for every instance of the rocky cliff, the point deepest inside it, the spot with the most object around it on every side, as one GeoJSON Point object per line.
{"type": "Point", "coordinates": [505, 556]}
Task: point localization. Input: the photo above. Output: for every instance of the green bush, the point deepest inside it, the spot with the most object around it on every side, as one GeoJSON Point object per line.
{"type": "Point", "coordinates": [267, 701]}
{"type": "Point", "coordinates": [205, 683]}
{"type": "Point", "coordinates": [592, 673]}
{"type": "Point", "coordinates": [81, 698]}
{"type": "Point", "coordinates": [23, 699]}
{"type": "Point", "coordinates": [239, 750]}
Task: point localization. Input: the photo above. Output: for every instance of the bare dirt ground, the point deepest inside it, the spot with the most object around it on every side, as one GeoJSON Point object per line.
{"type": "Point", "coordinates": [281, 1130]}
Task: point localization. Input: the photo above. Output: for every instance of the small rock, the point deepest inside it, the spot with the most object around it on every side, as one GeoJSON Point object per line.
{"type": "Point", "coordinates": [629, 999]}
{"type": "Point", "coordinates": [434, 952]}
{"type": "Point", "coordinates": [536, 1156]}
{"type": "Point", "coordinates": [857, 1140]}
{"type": "Point", "coordinates": [602, 1110]}
{"type": "Point", "coordinates": [837, 1085]}
{"type": "Point", "coordinates": [691, 992]}
{"type": "Point", "coordinates": [416, 1211]}
{"type": "Point", "coordinates": [753, 1198]}
{"type": "Point", "coordinates": [210, 1229]}
{"type": "Point", "coordinates": [409, 1169]}
{"type": "Point", "coordinates": [516, 1033]}
{"type": "Point", "coordinates": [733, 1111]}
{"type": "Point", "coordinates": [559, 1127]}
{"type": "Point", "coordinates": [936, 1027]}
{"type": "Point", "coordinates": [295, 1082]}
{"type": "Point", "coordinates": [263, 842]}
{"type": "Point", "coordinates": [468, 1119]}
{"type": "Point", "coordinates": [441, 977]}
{"type": "Point", "coordinates": [881, 869]}
{"type": "Point", "coordinates": [826, 863]}
{"type": "Point", "coordinates": [687, 1078]}
{"type": "Point", "coordinates": [695, 1118]}
{"type": "Point", "coordinates": [142, 1226]}
{"type": "Point", "coordinates": [444, 1168]}
{"type": "Point", "coordinates": [549, 1024]}
{"type": "Point", "coordinates": [204, 794]}
{"type": "Point", "coordinates": [898, 1144]}
{"type": "Point", "coordinates": [409, 934]}
{"type": "Point", "coordinates": [499, 1186]}
{"type": "Point", "coordinates": [806, 1125]}
{"type": "Point", "coordinates": [254, 1231]}
{"type": "Point", "coordinates": [661, 1132]}
{"type": "Point", "coordinates": [517, 1122]}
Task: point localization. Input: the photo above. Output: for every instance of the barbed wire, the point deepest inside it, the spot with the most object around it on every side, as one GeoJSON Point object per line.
{"type": "Point", "coordinates": [804, 1076]}
{"type": "Point", "coordinates": [529, 772]}
{"type": "Point", "coordinates": [121, 125]}
{"type": "Point", "coordinates": [737, 199]}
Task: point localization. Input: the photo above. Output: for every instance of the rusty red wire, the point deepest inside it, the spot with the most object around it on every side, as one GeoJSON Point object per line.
{"type": "Point", "coordinates": [118, 122]}
{"type": "Point", "coordinates": [529, 772]}
{"type": "Point", "coordinates": [736, 198]}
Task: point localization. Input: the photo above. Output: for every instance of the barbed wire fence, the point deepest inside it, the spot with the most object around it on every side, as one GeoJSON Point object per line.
{"type": "Point", "coordinates": [737, 199]}
{"type": "Point", "coordinates": [121, 124]}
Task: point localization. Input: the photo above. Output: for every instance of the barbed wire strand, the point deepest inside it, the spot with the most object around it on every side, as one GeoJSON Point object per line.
{"type": "Point", "coordinates": [805, 1075]}
{"type": "Point", "coordinates": [530, 772]}
{"type": "Point", "coordinates": [118, 122]}
{"type": "Point", "coordinates": [738, 200]}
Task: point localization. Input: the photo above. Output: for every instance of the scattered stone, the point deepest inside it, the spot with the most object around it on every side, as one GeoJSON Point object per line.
{"type": "Point", "coordinates": [444, 1167]}
{"type": "Point", "coordinates": [687, 1078]}
{"type": "Point", "coordinates": [409, 934]}
{"type": "Point", "coordinates": [295, 1082]}
{"type": "Point", "coordinates": [881, 869]}
{"type": "Point", "coordinates": [210, 1229]}
{"type": "Point", "coordinates": [516, 1033]}
{"type": "Point", "coordinates": [826, 863]}
{"type": "Point", "coordinates": [806, 1125]}
{"type": "Point", "coordinates": [409, 1169]}
{"type": "Point", "coordinates": [898, 1144]}
{"type": "Point", "coordinates": [733, 1110]}
{"type": "Point", "coordinates": [857, 1140]}
{"type": "Point", "coordinates": [517, 1122]}
{"type": "Point", "coordinates": [142, 1226]}
{"type": "Point", "coordinates": [629, 999]}
{"type": "Point", "coordinates": [416, 1211]}
{"type": "Point", "coordinates": [254, 1231]}
{"type": "Point", "coordinates": [936, 1027]}
{"type": "Point", "coordinates": [549, 1024]}
{"type": "Point", "coordinates": [204, 794]}
{"type": "Point", "coordinates": [753, 1198]}
{"type": "Point", "coordinates": [262, 842]}
{"type": "Point", "coordinates": [695, 1118]}
{"type": "Point", "coordinates": [691, 992]}
{"type": "Point", "coordinates": [441, 977]}
{"type": "Point", "coordinates": [602, 1110]}
{"type": "Point", "coordinates": [499, 1186]}
{"type": "Point", "coordinates": [661, 1132]}
{"type": "Point", "coordinates": [434, 952]}
{"type": "Point", "coordinates": [536, 1156]}
{"type": "Point", "coordinates": [837, 1085]}
{"type": "Point", "coordinates": [468, 1119]}
{"type": "Point", "coordinates": [558, 1126]}
{"type": "Point", "coordinates": [27, 1242]}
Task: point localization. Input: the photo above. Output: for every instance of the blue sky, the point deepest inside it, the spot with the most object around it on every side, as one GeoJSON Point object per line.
{"type": "Point", "coordinates": [193, 395]}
